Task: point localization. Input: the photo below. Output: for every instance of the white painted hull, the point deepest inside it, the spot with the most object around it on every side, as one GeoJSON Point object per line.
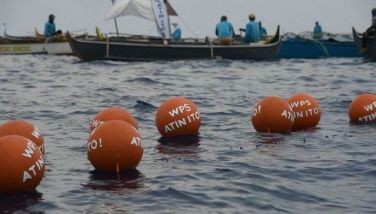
{"type": "Point", "coordinates": [58, 48]}
{"type": "Point", "coordinates": [36, 48]}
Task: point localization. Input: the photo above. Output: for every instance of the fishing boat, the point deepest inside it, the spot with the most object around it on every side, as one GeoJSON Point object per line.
{"type": "Point", "coordinates": [151, 48]}
{"type": "Point", "coordinates": [57, 45]}
{"type": "Point", "coordinates": [368, 50]}
{"type": "Point", "coordinates": [304, 45]}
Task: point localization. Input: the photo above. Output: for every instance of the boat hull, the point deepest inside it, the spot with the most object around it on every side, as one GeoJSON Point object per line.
{"type": "Point", "coordinates": [20, 45]}
{"type": "Point", "coordinates": [127, 50]}
{"type": "Point", "coordinates": [87, 51]}
{"type": "Point", "coordinates": [369, 51]}
{"type": "Point", "coordinates": [58, 48]}
{"type": "Point", "coordinates": [302, 48]}
{"type": "Point", "coordinates": [22, 49]}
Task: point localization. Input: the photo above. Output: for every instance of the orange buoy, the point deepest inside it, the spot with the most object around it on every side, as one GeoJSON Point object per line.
{"type": "Point", "coordinates": [112, 113]}
{"type": "Point", "coordinates": [273, 114]}
{"type": "Point", "coordinates": [306, 111]}
{"type": "Point", "coordinates": [114, 146]}
{"type": "Point", "coordinates": [22, 164]}
{"type": "Point", "coordinates": [363, 109]}
{"type": "Point", "coordinates": [178, 116]}
{"type": "Point", "coordinates": [23, 128]}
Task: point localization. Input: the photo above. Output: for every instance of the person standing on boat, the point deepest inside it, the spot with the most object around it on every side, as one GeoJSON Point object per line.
{"type": "Point", "coordinates": [317, 31]}
{"type": "Point", "coordinates": [252, 30]}
{"type": "Point", "coordinates": [224, 31]}
{"type": "Point", "coordinates": [50, 28]}
{"type": "Point", "coordinates": [263, 33]}
{"type": "Point", "coordinates": [176, 35]}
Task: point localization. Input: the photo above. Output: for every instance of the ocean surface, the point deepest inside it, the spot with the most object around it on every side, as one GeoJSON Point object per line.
{"type": "Point", "coordinates": [229, 169]}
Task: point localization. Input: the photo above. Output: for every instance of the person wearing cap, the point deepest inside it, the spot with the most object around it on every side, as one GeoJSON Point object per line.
{"type": "Point", "coordinates": [224, 31]}
{"type": "Point", "coordinates": [252, 30]}
{"type": "Point", "coordinates": [176, 35]}
{"type": "Point", "coordinates": [317, 31]}
{"type": "Point", "coordinates": [50, 28]}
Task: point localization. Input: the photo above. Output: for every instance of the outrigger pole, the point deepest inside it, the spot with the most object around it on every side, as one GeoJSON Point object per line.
{"type": "Point", "coordinates": [116, 25]}
{"type": "Point", "coordinates": [5, 28]}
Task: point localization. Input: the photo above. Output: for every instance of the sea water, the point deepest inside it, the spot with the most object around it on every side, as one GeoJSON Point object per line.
{"type": "Point", "coordinates": [229, 168]}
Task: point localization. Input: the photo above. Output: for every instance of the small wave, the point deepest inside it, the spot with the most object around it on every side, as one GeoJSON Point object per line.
{"type": "Point", "coordinates": [144, 106]}
{"type": "Point", "coordinates": [144, 80]}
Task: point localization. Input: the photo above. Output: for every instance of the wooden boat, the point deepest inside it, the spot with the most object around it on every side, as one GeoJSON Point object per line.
{"type": "Point", "coordinates": [148, 48]}
{"type": "Point", "coordinates": [34, 45]}
{"type": "Point", "coordinates": [134, 48]}
{"type": "Point", "coordinates": [304, 46]}
{"type": "Point", "coordinates": [369, 51]}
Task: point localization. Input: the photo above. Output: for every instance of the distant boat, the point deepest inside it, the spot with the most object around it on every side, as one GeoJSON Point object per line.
{"type": "Point", "coordinates": [143, 48]}
{"type": "Point", "coordinates": [149, 48]}
{"type": "Point", "coordinates": [369, 52]}
{"type": "Point", "coordinates": [304, 46]}
{"type": "Point", "coordinates": [34, 45]}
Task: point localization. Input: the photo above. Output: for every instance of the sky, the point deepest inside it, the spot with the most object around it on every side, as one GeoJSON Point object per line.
{"type": "Point", "coordinates": [197, 18]}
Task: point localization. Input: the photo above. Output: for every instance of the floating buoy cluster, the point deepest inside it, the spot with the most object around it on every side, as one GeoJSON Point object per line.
{"type": "Point", "coordinates": [302, 111]}
{"type": "Point", "coordinates": [114, 143]}
{"type": "Point", "coordinates": [178, 116]}
{"type": "Point", "coordinates": [363, 109]}
{"type": "Point", "coordinates": [22, 165]}
{"type": "Point", "coordinates": [277, 115]}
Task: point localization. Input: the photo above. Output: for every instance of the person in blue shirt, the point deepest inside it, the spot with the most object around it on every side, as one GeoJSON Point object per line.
{"type": "Point", "coordinates": [176, 35]}
{"type": "Point", "coordinates": [252, 30]}
{"type": "Point", "coordinates": [224, 31]}
{"type": "Point", "coordinates": [50, 28]}
{"type": "Point", "coordinates": [263, 33]}
{"type": "Point", "coordinates": [317, 31]}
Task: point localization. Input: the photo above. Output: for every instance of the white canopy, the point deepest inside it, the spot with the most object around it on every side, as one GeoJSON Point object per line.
{"type": "Point", "coordinates": [155, 10]}
{"type": "Point", "coordinates": [138, 8]}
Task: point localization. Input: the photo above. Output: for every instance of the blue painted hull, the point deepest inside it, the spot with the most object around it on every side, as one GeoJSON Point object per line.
{"type": "Point", "coordinates": [299, 48]}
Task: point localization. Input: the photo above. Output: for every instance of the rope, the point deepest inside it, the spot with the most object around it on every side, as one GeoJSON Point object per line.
{"type": "Point", "coordinates": [303, 36]}
{"type": "Point", "coordinates": [186, 25]}
{"type": "Point", "coordinates": [321, 45]}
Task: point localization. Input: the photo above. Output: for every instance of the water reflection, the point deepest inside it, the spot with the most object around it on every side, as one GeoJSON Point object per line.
{"type": "Point", "coordinates": [180, 146]}
{"type": "Point", "coordinates": [267, 138]}
{"type": "Point", "coordinates": [10, 203]}
{"type": "Point", "coordinates": [268, 142]}
{"type": "Point", "coordinates": [117, 183]}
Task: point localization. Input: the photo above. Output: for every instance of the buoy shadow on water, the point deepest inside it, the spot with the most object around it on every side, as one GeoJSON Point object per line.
{"type": "Point", "coordinates": [182, 145]}
{"type": "Point", "coordinates": [180, 141]}
{"type": "Point", "coordinates": [13, 202]}
{"type": "Point", "coordinates": [115, 182]}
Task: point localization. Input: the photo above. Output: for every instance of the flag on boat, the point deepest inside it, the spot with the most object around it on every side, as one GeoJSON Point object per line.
{"type": "Point", "coordinates": [161, 17]}
{"type": "Point", "coordinates": [154, 10]}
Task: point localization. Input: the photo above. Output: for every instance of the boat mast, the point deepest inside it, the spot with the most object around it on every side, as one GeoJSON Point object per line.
{"type": "Point", "coordinates": [116, 25]}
